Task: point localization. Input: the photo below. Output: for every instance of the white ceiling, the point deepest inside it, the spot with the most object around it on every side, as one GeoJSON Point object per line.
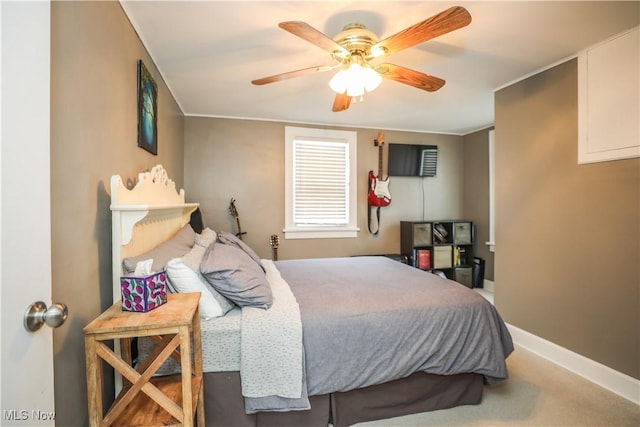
{"type": "Point", "coordinates": [209, 51]}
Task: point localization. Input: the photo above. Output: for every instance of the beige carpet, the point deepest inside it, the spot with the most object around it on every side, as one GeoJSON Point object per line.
{"type": "Point", "coordinates": [538, 393]}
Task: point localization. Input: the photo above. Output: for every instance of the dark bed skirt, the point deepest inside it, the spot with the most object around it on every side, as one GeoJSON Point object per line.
{"type": "Point", "coordinates": [420, 392]}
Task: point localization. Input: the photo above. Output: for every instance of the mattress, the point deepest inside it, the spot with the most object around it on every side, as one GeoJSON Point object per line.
{"type": "Point", "coordinates": [370, 320]}
{"type": "Point", "coordinates": [220, 345]}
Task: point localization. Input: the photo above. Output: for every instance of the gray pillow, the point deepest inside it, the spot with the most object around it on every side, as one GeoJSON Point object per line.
{"type": "Point", "coordinates": [231, 239]}
{"type": "Point", "coordinates": [175, 247]}
{"type": "Point", "coordinates": [192, 260]}
{"type": "Point", "coordinates": [234, 274]}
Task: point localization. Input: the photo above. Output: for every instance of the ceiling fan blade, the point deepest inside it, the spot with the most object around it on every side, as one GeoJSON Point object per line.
{"type": "Point", "coordinates": [310, 34]}
{"type": "Point", "coordinates": [410, 77]}
{"type": "Point", "coordinates": [442, 23]}
{"type": "Point", "coordinates": [341, 102]}
{"type": "Point", "coordinates": [292, 74]}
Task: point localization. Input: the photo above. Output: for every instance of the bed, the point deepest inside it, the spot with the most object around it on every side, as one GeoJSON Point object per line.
{"type": "Point", "coordinates": [313, 341]}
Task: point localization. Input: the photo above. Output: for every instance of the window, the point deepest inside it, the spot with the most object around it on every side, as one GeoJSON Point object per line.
{"type": "Point", "coordinates": [320, 183]}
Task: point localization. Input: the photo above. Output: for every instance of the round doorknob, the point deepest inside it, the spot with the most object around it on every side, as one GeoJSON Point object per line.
{"type": "Point", "coordinates": [38, 314]}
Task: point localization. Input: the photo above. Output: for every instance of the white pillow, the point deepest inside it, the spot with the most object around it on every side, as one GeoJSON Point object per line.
{"type": "Point", "coordinates": [207, 237]}
{"type": "Point", "coordinates": [184, 279]}
{"type": "Point", "coordinates": [194, 256]}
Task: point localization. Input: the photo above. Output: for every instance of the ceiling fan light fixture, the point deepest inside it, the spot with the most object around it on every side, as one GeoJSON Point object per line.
{"type": "Point", "coordinates": [355, 90]}
{"type": "Point", "coordinates": [370, 78]}
{"type": "Point", "coordinates": [338, 82]}
{"type": "Point", "coordinates": [355, 80]}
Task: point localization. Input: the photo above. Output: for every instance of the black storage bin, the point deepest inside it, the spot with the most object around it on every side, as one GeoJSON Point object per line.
{"type": "Point", "coordinates": [478, 272]}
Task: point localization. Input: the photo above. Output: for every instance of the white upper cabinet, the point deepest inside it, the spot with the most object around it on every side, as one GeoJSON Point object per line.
{"type": "Point", "coordinates": [609, 99]}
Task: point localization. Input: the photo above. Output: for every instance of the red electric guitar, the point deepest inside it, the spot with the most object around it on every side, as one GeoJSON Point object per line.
{"type": "Point", "coordinates": [379, 194]}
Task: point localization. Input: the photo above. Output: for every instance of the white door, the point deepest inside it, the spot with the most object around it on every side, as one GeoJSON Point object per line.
{"type": "Point", "coordinates": [26, 365]}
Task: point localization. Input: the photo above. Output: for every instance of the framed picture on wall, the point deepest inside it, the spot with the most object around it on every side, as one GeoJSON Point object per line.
{"type": "Point", "coordinates": [147, 110]}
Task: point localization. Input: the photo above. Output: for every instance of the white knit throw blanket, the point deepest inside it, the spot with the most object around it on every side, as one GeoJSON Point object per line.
{"type": "Point", "coordinates": [271, 343]}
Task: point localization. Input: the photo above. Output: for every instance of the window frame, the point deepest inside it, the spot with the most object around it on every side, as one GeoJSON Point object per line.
{"type": "Point", "coordinates": [349, 230]}
{"type": "Point", "coordinates": [492, 191]}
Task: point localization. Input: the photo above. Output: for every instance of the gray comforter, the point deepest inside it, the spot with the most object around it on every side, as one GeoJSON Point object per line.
{"type": "Point", "coordinates": [369, 320]}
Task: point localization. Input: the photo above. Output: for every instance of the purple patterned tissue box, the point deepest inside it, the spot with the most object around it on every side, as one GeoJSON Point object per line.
{"type": "Point", "coordinates": [143, 293]}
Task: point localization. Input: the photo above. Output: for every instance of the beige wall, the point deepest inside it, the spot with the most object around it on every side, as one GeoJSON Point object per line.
{"type": "Point", "coordinates": [568, 235]}
{"type": "Point", "coordinates": [93, 136]}
{"type": "Point", "coordinates": [475, 193]}
{"type": "Point", "coordinates": [244, 159]}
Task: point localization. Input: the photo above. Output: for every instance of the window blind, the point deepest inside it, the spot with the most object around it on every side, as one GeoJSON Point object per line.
{"type": "Point", "coordinates": [321, 183]}
{"type": "Point", "coordinates": [429, 162]}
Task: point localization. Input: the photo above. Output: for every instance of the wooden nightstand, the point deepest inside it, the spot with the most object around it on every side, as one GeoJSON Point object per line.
{"type": "Point", "coordinates": [171, 325]}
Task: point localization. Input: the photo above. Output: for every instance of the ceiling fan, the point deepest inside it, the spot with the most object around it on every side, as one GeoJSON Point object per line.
{"type": "Point", "coordinates": [356, 46]}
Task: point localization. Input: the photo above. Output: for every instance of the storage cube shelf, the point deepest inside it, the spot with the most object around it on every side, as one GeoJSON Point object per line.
{"type": "Point", "coordinates": [445, 245]}
{"type": "Point", "coordinates": [462, 234]}
{"type": "Point", "coordinates": [442, 257]}
{"type": "Point", "coordinates": [422, 234]}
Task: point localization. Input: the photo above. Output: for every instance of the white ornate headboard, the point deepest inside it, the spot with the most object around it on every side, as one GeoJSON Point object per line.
{"type": "Point", "coordinates": [144, 216]}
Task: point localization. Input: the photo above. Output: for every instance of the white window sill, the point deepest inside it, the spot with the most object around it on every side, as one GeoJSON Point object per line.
{"type": "Point", "coordinates": [321, 233]}
{"type": "Point", "coordinates": [492, 246]}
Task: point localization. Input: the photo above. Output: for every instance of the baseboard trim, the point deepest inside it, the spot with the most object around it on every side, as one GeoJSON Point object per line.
{"type": "Point", "coordinates": [488, 285]}
{"type": "Point", "coordinates": [610, 379]}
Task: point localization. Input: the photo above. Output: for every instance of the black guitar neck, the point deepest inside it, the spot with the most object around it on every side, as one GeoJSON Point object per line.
{"type": "Point", "coordinates": [379, 142]}
{"type": "Point", "coordinates": [274, 241]}
{"type": "Point", "coordinates": [234, 213]}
